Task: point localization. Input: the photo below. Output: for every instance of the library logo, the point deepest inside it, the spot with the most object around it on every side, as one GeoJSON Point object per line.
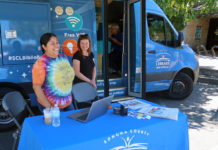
{"type": "Point", "coordinates": [128, 140]}
{"type": "Point", "coordinates": [163, 61]}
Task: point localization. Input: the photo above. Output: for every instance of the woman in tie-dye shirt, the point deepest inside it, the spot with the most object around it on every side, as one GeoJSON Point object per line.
{"type": "Point", "coordinates": [52, 75]}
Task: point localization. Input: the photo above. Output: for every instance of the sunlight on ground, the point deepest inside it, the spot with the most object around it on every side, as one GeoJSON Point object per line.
{"type": "Point", "coordinates": [210, 140]}
{"type": "Point", "coordinates": [206, 61]}
{"type": "Point", "coordinates": [212, 103]}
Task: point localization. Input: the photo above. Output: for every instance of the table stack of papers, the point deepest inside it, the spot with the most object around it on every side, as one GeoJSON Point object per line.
{"type": "Point", "coordinates": [139, 108]}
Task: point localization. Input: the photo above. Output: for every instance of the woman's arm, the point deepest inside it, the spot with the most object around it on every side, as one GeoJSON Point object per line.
{"type": "Point", "coordinates": [94, 71]}
{"type": "Point", "coordinates": [41, 96]}
{"type": "Point", "coordinates": [94, 75]}
{"type": "Point", "coordinates": [76, 67]}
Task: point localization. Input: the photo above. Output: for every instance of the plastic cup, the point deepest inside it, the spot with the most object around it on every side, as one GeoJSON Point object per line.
{"type": "Point", "coordinates": [47, 115]}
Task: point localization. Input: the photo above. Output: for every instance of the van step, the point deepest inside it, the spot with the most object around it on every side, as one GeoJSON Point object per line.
{"type": "Point", "coordinates": [112, 82]}
{"type": "Point", "coordinates": [116, 91]}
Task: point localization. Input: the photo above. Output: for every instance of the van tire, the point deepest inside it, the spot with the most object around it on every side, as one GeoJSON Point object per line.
{"type": "Point", "coordinates": [181, 87]}
{"type": "Point", "coordinates": [6, 122]}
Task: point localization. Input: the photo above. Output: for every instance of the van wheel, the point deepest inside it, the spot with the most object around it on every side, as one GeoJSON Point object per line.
{"type": "Point", "coordinates": [6, 122]}
{"type": "Point", "coordinates": [181, 87]}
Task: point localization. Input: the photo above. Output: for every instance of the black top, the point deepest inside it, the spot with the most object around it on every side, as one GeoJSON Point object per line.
{"type": "Point", "coordinates": [115, 46]}
{"type": "Point", "coordinates": [86, 66]}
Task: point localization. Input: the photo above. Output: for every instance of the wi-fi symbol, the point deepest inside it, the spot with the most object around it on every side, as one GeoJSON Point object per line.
{"type": "Point", "coordinates": [73, 21]}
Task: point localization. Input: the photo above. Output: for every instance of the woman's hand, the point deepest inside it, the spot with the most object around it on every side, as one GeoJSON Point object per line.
{"type": "Point", "coordinates": [41, 96]}
{"type": "Point", "coordinates": [93, 83]}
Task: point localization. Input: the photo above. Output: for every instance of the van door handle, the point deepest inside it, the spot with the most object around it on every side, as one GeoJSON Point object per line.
{"type": "Point", "coordinates": [152, 52]}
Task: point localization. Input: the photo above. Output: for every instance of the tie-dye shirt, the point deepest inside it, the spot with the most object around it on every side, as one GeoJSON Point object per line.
{"type": "Point", "coordinates": [56, 76]}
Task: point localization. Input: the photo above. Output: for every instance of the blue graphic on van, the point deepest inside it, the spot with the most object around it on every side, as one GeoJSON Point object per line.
{"type": "Point", "coordinates": [74, 22]}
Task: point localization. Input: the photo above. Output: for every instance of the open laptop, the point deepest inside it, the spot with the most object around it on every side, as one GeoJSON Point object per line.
{"type": "Point", "coordinates": [98, 108]}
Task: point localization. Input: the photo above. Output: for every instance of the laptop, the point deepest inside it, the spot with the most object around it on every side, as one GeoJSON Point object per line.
{"type": "Point", "coordinates": [97, 109]}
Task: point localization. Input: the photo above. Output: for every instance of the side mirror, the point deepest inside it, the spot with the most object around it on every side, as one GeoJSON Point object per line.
{"type": "Point", "coordinates": [180, 39]}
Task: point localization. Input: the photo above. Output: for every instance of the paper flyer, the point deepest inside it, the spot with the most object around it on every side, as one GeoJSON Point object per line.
{"type": "Point", "coordinates": [138, 115]}
{"type": "Point", "coordinates": [161, 112]}
{"type": "Point", "coordinates": [134, 104]}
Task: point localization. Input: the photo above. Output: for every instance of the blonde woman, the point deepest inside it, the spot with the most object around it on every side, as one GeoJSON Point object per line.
{"type": "Point", "coordinates": [83, 62]}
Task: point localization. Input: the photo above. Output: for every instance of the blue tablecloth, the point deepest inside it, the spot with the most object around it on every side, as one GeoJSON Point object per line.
{"type": "Point", "coordinates": [108, 132]}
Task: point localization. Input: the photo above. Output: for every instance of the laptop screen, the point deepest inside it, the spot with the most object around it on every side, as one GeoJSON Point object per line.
{"type": "Point", "coordinates": [97, 109]}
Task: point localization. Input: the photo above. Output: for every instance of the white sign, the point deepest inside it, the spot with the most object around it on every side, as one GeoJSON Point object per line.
{"type": "Point", "coordinates": [72, 35]}
{"type": "Point", "coordinates": [10, 34]}
{"type": "Point", "coordinates": [21, 58]}
{"type": "Point", "coordinates": [163, 61]}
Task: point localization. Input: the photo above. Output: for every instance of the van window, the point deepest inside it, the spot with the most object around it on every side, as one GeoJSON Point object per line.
{"type": "Point", "coordinates": [170, 35]}
{"type": "Point", "coordinates": [157, 26]}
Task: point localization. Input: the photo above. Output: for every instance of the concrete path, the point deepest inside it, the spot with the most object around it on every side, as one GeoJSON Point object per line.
{"type": "Point", "coordinates": [200, 107]}
{"type": "Point", "coordinates": [208, 62]}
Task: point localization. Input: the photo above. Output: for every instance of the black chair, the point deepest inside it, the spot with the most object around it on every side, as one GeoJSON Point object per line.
{"type": "Point", "coordinates": [17, 108]}
{"type": "Point", "coordinates": [83, 92]}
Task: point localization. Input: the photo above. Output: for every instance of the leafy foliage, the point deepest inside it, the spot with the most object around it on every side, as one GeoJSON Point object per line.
{"type": "Point", "coordinates": [182, 11]}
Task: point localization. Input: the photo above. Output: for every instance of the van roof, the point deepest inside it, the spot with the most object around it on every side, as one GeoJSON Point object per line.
{"type": "Point", "coordinates": [152, 6]}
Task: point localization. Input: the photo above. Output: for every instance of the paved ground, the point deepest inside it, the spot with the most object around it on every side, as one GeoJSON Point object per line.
{"type": "Point", "coordinates": [6, 140]}
{"type": "Point", "coordinates": [200, 108]}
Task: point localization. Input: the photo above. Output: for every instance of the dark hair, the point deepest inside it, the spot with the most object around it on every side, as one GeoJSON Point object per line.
{"type": "Point", "coordinates": [84, 37]}
{"type": "Point", "coordinates": [45, 39]}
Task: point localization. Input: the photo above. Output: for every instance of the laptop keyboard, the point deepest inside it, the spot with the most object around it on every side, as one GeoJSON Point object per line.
{"type": "Point", "coordinates": [83, 117]}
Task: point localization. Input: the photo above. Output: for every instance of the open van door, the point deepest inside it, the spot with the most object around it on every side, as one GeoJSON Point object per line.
{"type": "Point", "coordinates": [136, 48]}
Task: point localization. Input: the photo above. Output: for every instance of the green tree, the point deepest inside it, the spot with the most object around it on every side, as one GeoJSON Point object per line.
{"type": "Point", "coordinates": [182, 11]}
